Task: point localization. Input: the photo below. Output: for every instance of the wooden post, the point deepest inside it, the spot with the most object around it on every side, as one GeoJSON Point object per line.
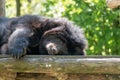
{"type": "Point", "coordinates": [2, 7]}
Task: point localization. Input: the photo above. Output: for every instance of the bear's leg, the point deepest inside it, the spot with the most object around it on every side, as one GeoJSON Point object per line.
{"type": "Point", "coordinates": [18, 42]}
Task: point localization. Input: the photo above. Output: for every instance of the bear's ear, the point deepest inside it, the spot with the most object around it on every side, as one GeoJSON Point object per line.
{"type": "Point", "coordinates": [36, 24]}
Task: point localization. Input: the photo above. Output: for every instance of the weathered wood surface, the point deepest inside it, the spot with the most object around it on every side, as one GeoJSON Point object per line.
{"type": "Point", "coordinates": [59, 64]}
{"type": "Point", "coordinates": [69, 76]}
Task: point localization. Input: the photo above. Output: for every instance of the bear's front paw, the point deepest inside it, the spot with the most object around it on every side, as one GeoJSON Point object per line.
{"type": "Point", "coordinates": [17, 52]}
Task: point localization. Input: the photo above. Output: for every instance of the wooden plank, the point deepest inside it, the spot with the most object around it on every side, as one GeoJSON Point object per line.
{"type": "Point", "coordinates": [69, 76]}
{"type": "Point", "coordinates": [7, 75]}
{"type": "Point", "coordinates": [62, 64]}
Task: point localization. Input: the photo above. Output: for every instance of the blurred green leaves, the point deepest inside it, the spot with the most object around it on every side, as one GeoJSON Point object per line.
{"type": "Point", "coordinates": [101, 24]}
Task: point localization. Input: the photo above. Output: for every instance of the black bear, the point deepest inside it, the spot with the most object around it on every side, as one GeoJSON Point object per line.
{"type": "Point", "coordinates": [24, 34]}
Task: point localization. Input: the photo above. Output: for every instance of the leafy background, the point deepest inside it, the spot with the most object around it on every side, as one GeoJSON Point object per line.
{"type": "Point", "coordinates": [101, 24]}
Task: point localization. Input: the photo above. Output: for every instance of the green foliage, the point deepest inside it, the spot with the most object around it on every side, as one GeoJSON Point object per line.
{"type": "Point", "coordinates": [101, 24]}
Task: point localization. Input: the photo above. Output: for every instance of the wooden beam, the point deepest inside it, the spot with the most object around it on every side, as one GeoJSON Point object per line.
{"type": "Point", "coordinates": [64, 64]}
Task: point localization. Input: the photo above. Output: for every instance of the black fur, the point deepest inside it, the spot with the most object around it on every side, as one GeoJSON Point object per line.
{"type": "Point", "coordinates": [19, 33]}
{"type": "Point", "coordinates": [66, 34]}
{"type": "Point", "coordinates": [25, 34]}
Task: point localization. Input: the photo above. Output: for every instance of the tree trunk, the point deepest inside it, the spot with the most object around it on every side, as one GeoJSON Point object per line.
{"type": "Point", "coordinates": [2, 7]}
{"type": "Point", "coordinates": [18, 6]}
{"type": "Point", "coordinates": [113, 3]}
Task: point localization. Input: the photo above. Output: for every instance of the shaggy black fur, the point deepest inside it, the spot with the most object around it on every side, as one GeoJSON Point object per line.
{"type": "Point", "coordinates": [22, 35]}
{"type": "Point", "coordinates": [65, 36]}
{"type": "Point", "coordinates": [16, 34]}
